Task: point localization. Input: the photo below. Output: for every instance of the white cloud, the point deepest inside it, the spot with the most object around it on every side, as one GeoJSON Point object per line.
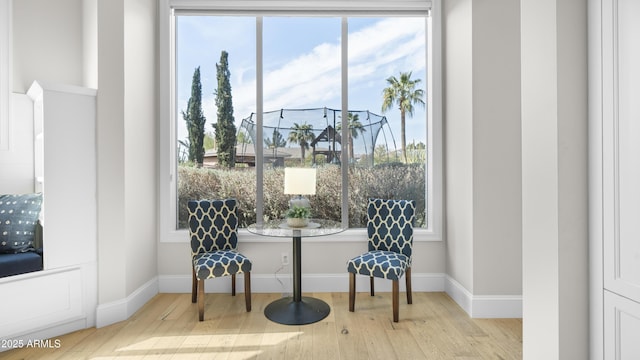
{"type": "Point", "coordinates": [312, 79]}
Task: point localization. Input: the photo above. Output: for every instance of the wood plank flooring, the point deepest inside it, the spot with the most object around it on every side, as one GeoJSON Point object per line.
{"type": "Point", "coordinates": [167, 327]}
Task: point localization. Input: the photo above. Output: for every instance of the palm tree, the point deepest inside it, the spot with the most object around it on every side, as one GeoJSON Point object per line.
{"type": "Point", "coordinates": [402, 92]}
{"type": "Point", "coordinates": [355, 128]}
{"type": "Point", "coordinates": [302, 135]}
{"type": "Point", "coordinates": [244, 138]}
{"type": "Point", "coordinates": [275, 141]}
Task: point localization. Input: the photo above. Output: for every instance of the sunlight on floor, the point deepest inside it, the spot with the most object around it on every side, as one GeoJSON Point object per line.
{"type": "Point", "coordinates": [194, 345]}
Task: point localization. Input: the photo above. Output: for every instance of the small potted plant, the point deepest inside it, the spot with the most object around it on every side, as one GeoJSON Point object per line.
{"type": "Point", "coordinates": [298, 216]}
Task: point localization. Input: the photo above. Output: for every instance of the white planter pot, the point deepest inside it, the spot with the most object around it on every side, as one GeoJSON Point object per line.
{"type": "Point", "coordinates": [297, 222]}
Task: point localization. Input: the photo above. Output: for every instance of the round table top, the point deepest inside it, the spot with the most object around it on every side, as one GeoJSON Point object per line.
{"type": "Point", "coordinates": [316, 227]}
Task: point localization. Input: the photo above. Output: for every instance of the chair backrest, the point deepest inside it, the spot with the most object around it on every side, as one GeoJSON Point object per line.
{"type": "Point", "coordinates": [390, 225]}
{"type": "Point", "coordinates": [213, 225]}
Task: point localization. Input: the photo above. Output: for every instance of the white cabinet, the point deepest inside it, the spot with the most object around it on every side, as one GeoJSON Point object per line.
{"type": "Point", "coordinates": [622, 327]}
{"type": "Point", "coordinates": [615, 191]}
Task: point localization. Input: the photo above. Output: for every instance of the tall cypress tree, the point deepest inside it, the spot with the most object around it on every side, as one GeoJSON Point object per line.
{"type": "Point", "coordinates": [194, 117]}
{"type": "Point", "coordinates": [225, 126]}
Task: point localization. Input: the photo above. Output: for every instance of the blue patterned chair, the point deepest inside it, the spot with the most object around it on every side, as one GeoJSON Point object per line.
{"type": "Point", "coordinates": [213, 228]}
{"type": "Point", "coordinates": [390, 232]}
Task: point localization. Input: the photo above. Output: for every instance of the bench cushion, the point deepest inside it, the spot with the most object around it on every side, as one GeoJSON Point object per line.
{"type": "Point", "coordinates": [14, 264]}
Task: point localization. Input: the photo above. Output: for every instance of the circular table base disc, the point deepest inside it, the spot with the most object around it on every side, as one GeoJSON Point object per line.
{"type": "Point", "coordinates": [288, 312]}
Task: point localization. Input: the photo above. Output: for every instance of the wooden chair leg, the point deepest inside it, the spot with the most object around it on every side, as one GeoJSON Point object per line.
{"type": "Point", "coordinates": [194, 286]}
{"type": "Point", "coordinates": [408, 280]}
{"type": "Point", "coordinates": [201, 300]}
{"type": "Point", "coordinates": [233, 285]}
{"type": "Point", "coordinates": [352, 291]}
{"type": "Point", "coordinates": [371, 286]}
{"type": "Point", "coordinates": [395, 299]}
{"type": "Point", "coordinates": [247, 290]}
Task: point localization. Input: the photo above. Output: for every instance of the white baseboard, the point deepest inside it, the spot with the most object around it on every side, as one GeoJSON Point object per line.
{"type": "Point", "coordinates": [497, 306]}
{"type": "Point", "coordinates": [458, 293]}
{"type": "Point", "coordinates": [484, 306]}
{"type": "Point", "coordinates": [113, 312]}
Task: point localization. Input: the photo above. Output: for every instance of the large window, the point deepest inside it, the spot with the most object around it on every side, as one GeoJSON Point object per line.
{"type": "Point", "coordinates": [350, 95]}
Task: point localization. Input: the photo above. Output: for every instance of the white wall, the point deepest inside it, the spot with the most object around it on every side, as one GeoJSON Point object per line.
{"type": "Point", "coordinates": [19, 157]}
{"type": "Point", "coordinates": [140, 131]}
{"type": "Point", "coordinates": [554, 186]}
{"type": "Point", "coordinates": [6, 82]}
{"type": "Point", "coordinates": [458, 127]}
{"type": "Point", "coordinates": [497, 178]}
{"type": "Point", "coordinates": [112, 241]}
{"type": "Point", "coordinates": [323, 263]}
{"type": "Point", "coordinates": [47, 43]}
{"type": "Point", "coordinates": [482, 127]}
{"type": "Point", "coordinates": [127, 129]}
{"type": "Point", "coordinates": [46, 46]}
{"type": "Point", "coordinates": [89, 43]}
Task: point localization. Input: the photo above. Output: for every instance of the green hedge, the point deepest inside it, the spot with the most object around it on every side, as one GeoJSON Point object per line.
{"type": "Point", "coordinates": [387, 181]}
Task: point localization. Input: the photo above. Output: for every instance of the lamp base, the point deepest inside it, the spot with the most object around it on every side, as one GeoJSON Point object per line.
{"type": "Point", "coordinates": [299, 201]}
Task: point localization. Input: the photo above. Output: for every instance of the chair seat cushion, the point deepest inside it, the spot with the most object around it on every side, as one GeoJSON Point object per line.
{"type": "Point", "coordinates": [220, 263]}
{"type": "Point", "coordinates": [379, 263]}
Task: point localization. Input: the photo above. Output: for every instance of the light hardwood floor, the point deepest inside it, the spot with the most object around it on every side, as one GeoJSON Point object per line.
{"type": "Point", "coordinates": [167, 327]}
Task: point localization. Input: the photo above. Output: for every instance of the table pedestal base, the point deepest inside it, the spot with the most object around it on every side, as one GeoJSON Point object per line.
{"type": "Point", "coordinates": [289, 312]}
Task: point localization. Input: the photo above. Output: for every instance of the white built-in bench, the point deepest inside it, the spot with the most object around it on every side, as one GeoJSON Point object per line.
{"type": "Point", "coordinates": [62, 297]}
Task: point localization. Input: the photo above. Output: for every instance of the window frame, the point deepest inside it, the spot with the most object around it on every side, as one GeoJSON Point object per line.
{"type": "Point", "coordinates": [340, 8]}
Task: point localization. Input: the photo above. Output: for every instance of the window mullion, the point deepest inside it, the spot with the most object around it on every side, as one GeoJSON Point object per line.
{"type": "Point", "coordinates": [344, 156]}
{"type": "Point", "coordinates": [259, 151]}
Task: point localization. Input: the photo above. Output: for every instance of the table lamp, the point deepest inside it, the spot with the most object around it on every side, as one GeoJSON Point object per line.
{"type": "Point", "coordinates": [299, 182]}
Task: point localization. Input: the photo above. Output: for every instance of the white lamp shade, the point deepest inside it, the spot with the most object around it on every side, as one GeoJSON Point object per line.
{"type": "Point", "coordinates": [300, 181]}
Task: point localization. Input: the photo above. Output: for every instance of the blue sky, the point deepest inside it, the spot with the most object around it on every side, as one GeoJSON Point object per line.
{"type": "Point", "coordinates": [301, 63]}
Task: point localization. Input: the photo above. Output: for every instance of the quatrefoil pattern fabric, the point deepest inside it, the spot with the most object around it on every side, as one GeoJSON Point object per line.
{"type": "Point", "coordinates": [213, 226]}
{"type": "Point", "coordinates": [220, 263]}
{"type": "Point", "coordinates": [390, 232]}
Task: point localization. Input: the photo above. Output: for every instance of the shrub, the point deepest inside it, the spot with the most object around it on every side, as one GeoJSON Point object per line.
{"type": "Point", "coordinates": [388, 181]}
